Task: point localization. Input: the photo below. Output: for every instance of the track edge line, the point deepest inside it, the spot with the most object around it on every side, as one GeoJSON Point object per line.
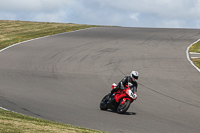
{"type": "Point", "coordinates": [188, 56]}
{"type": "Point", "coordinates": [37, 39]}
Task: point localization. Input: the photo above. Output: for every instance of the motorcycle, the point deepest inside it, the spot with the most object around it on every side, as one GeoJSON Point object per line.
{"type": "Point", "coordinates": [120, 101]}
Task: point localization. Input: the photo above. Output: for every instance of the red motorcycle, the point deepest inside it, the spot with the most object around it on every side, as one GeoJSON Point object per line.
{"type": "Point", "coordinates": [120, 100]}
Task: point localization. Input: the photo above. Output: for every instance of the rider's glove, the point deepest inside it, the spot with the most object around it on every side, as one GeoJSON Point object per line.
{"type": "Point", "coordinates": [135, 95]}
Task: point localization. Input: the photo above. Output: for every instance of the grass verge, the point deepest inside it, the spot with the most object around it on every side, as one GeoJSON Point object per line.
{"type": "Point", "coordinates": [11, 122]}
{"type": "Point", "coordinates": [196, 48]}
{"type": "Point", "coordinates": [12, 32]}
{"type": "Point", "coordinates": [196, 62]}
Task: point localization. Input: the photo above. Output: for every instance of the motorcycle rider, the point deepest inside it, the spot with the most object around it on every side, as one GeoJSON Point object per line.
{"type": "Point", "coordinates": [127, 80]}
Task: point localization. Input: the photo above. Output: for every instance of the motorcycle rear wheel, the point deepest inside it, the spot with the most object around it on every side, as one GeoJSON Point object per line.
{"type": "Point", "coordinates": [122, 108]}
{"type": "Point", "coordinates": [103, 104]}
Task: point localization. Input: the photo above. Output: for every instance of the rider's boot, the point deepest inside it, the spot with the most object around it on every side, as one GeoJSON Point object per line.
{"type": "Point", "coordinates": [111, 99]}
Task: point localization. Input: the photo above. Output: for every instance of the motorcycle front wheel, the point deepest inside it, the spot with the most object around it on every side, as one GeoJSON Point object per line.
{"type": "Point", "coordinates": [103, 103]}
{"type": "Point", "coordinates": [122, 108]}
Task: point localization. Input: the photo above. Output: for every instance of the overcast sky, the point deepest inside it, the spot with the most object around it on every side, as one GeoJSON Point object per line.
{"type": "Point", "coordinates": [127, 13]}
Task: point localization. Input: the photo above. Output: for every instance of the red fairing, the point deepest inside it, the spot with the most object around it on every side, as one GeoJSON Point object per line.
{"type": "Point", "coordinates": [119, 96]}
{"type": "Point", "coordinates": [121, 101]}
{"type": "Point", "coordinates": [129, 99]}
{"type": "Point", "coordinates": [122, 94]}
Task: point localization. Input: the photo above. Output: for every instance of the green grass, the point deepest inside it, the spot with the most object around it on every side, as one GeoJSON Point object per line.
{"type": "Point", "coordinates": [196, 48]}
{"type": "Point", "coordinates": [12, 32]}
{"type": "Point", "coordinates": [11, 122]}
{"type": "Point", "coordinates": [196, 62]}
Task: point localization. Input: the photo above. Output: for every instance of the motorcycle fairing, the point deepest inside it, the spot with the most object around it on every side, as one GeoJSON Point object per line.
{"type": "Point", "coordinates": [119, 96]}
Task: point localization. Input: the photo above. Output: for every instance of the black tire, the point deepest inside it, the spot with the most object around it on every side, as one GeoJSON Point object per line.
{"type": "Point", "coordinates": [103, 103]}
{"type": "Point", "coordinates": [122, 108]}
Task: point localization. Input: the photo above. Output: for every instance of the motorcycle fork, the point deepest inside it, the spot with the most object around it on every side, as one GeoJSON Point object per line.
{"type": "Point", "coordinates": [124, 100]}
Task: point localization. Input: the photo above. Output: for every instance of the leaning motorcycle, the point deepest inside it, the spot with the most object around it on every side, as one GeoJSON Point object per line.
{"type": "Point", "coordinates": [120, 101]}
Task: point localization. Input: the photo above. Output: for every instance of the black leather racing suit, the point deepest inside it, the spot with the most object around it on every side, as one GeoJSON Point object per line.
{"type": "Point", "coordinates": [127, 80]}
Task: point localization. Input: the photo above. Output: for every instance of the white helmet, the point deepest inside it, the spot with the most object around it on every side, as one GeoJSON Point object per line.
{"type": "Point", "coordinates": [134, 75]}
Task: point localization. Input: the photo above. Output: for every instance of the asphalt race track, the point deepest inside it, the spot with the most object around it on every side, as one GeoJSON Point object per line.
{"type": "Point", "coordinates": [64, 77]}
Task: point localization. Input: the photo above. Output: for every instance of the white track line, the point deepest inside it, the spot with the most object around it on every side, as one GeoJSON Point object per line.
{"type": "Point", "coordinates": [43, 37]}
{"type": "Point", "coordinates": [187, 51]}
{"type": "Point", "coordinates": [188, 56]}
{"type": "Point", "coordinates": [195, 57]}
{"type": "Point", "coordinates": [4, 108]}
{"type": "Point", "coordinates": [194, 53]}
